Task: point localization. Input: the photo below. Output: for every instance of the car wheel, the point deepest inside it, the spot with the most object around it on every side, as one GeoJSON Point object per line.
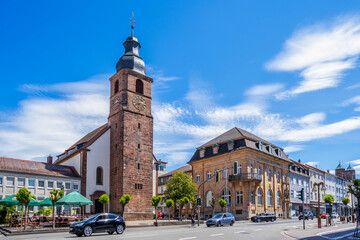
{"type": "Point", "coordinates": [232, 223]}
{"type": "Point", "coordinates": [208, 225]}
{"type": "Point", "coordinates": [272, 219]}
{"type": "Point", "coordinates": [258, 220]}
{"type": "Point", "coordinates": [79, 234]}
{"type": "Point", "coordinates": [88, 231]}
{"type": "Point", "coordinates": [110, 232]}
{"type": "Point", "coordinates": [218, 224]}
{"type": "Point", "coordinates": [119, 229]}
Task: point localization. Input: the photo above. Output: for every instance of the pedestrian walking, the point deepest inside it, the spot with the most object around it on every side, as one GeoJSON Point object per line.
{"type": "Point", "coordinates": [192, 220]}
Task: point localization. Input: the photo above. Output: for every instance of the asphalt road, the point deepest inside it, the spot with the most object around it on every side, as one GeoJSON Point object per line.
{"type": "Point", "coordinates": [240, 230]}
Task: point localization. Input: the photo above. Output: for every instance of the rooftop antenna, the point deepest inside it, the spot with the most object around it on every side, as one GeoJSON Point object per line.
{"type": "Point", "coordinates": [132, 24]}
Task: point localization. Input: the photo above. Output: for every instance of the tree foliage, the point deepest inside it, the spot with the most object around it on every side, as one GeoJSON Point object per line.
{"type": "Point", "coordinates": [24, 197]}
{"type": "Point", "coordinates": [55, 196]}
{"type": "Point", "coordinates": [222, 203]}
{"type": "Point", "coordinates": [124, 200]}
{"type": "Point", "coordinates": [169, 203]}
{"type": "Point", "coordinates": [329, 199]}
{"type": "Point", "coordinates": [346, 201]}
{"type": "Point", "coordinates": [104, 199]}
{"type": "Point", "coordinates": [155, 202]}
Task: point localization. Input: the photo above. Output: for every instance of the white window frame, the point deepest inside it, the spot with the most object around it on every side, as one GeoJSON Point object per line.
{"type": "Point", "coordinates": [2, 180]}
{"type": "Point", "coordinates": [239, 198]}
{"type": "Point", "coordinates": [69, 183]}
{"type": "Point", "coordinates": [48, 185]}
{"type": "Point", "coordinates": [7, 181]}
{"type": "Point", "coordinates": [235, 168]}
{"type": "Point", "coordinates": [76, 184]}
{"type": "Point", "coordinates": [208, 175]}
{"type": "Point", "coordinates": [19, 182]}
{"type": "Point", "coordinates": [197, 178]}
{"type": "Point", "coordinates": [31, 179]}
{"type": "Point", "coordinates": [38, 185]}
{"type": "Point", "coordinates": [57, 182]}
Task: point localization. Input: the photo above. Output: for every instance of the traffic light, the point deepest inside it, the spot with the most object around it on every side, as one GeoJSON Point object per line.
{"type": "Point", "coordinates": [198, 201]}
{"type": "Point", "coordinates": [300, 194]}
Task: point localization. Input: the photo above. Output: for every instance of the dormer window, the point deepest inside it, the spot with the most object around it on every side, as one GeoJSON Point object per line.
{"type": "Point", "coordinates": [215, 149]}
{"type": "Point", "coordinates": [270, 149]}
{"type": "Point", "coordinates": [279, 152]}
{"type": "Point", "coordinates": [261, 145]}
{"type": "Point", "coordinates": [230, 145]}
{"type": "Point", "coordinates": [202, 152]}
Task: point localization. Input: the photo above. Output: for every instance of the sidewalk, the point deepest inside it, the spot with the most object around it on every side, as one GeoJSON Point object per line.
{"type": "Point", "coordinates": [331, 232]}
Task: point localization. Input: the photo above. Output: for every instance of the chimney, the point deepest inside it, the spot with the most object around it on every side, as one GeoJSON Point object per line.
{"type": "Point", "coordinates": [299, 161]}
{"type": "Point", "coordinates": [328, 171]}
{"type": "Point", "coordinates": [49, 160]}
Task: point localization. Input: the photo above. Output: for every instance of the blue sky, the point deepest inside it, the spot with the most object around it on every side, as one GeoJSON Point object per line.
{"type": "Point", "coordinates": [286, 71]}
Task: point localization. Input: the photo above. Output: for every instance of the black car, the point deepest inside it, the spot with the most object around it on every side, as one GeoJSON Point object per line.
{"type": "Point", "coordinates": [307, 215]}
{"type": "Point", "coordinates": [105, 222]}
{"type": "Point", "coordinates": [264, 217]}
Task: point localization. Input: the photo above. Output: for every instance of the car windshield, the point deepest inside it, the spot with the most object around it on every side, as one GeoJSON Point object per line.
{"type": "Point", "coordinates": [218, 215]}
{"type": "Point", "coordinates": [92, 217]}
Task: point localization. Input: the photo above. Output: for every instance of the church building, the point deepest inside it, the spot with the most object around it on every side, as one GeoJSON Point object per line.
{"type": "Point", "coordinates": [117, 157]}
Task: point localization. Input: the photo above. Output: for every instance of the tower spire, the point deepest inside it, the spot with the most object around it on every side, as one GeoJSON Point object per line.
{"type": "Point", "coordinates": [132, 24]}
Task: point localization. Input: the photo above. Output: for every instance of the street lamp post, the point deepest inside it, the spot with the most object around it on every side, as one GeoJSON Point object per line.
{"type": "Point", "coordinates": [318, 208]}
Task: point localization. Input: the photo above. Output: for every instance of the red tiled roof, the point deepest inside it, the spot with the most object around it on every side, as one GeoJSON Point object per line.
{"type": "Point", "coordinates": [26, 166]}
{"type": "Point", "coordinates": [186, 168]}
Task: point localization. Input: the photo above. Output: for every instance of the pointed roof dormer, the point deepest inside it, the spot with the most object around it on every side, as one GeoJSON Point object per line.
{"type": "Point", "coordinates": [340, 166]}
{"type": "Point", "coordinates": [131, 58]}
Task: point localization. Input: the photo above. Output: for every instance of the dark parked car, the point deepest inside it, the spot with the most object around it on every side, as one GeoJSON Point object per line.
{"type": "Point", "coordinates": [307, 215]}
{"type": "Point", "coordinates": [263, 217]}
{"type": "Point", "coordinates": [221, 219]}
{"type": "Point", "coordinates": [105, 222]}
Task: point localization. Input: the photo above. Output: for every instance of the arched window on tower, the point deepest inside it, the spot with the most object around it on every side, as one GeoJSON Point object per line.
{"type": "Point", "coordinates": [99, 176]}
{"type": "Point", "coordinates": [139, 86]}
{"type": "Point", "coordinates": [116, 87]}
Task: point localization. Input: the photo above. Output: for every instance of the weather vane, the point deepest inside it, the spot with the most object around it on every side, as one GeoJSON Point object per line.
{"type": "Point", "coordinates": [132, 24]}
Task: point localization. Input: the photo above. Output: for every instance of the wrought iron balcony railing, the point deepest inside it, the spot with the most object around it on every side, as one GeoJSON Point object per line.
{"type": "Point", "coordinates": [245, 177]}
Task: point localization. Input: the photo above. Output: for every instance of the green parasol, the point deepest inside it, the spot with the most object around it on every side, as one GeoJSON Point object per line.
{"type": "Point", "coordinates": [74, 198]}
{"type": "Point", "coordinates": [9, 201]}
{"type": "Point", "coordinates": [47, 203]}
{"type": "Point", "coordinates": [33, 202]}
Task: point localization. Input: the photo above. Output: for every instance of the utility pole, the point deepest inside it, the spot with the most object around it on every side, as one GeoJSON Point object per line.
{"type": "Point", "coordinates": [300, 196]}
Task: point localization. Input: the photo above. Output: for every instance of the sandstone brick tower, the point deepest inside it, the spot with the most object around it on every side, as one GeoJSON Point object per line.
{"type": "Point", "coordinates": [131, 134]}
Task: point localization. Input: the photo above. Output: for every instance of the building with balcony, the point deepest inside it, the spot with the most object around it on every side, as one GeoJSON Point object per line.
{"type": "Point", "coordinates": [299, 179]}
{"type": "Point", "coordinates": [250, 173]}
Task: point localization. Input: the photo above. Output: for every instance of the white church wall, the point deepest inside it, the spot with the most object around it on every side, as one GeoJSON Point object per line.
{"type": "Point", "coordinates": [99, 155]}
{"type": "Point", "coordinates": [73, 161]}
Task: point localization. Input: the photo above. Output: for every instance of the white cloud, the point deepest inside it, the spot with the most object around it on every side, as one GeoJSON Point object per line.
{"type": "Point", "coordinates": [293, 148]}
{"type": "Point", "coordinates": [312, 119]}
{"type": "Point", "coordinates": [45, 124]}
{"type": "Point", "coordinates": [266, 89]}
{"type": "Point", "coordinates": [353, 86]}
{"type": "Point", "coordinates": [314, 164]}
{"type": "Point", "coordinates": [321, 53]}
{"type": "Point", "coordinates": [354, 100]}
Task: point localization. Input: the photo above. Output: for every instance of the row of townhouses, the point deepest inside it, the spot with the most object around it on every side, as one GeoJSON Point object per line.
{"type": "Point", "coordinates": [255, 176]}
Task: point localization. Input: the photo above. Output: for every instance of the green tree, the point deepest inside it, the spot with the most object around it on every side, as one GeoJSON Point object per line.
{"type": "Point", "coordinates": [169, 203]}
{"type": "Point", "coordinates": [180, 185]}
{"type": "Point", "coordinates": [55, 196]}
{"type": "Point", "coordinates": [212, 203]}
{"type": "Point", "coordinates": [47, 211]}
{"type": "Point", "coordinates": [182, 202]}
{"type": "Point", "coordinates": [329, 199]}
{"type": "Point", "coordinates": [104, 199]}
{"type": "Point", "coordinates": [346, 201]}
{"type": "Point", "coordinates": [6, 212]}
{"type": "Point", "coordinates": [222, 204]}
{"type": "Point", "coordinates": [125, 199]}
{"type": "Point", "coordinates": [354, 189]}
{"type": "Point", "coordinates": [155, 202]}
{"type": "Point", "coordinates": [24, 197]}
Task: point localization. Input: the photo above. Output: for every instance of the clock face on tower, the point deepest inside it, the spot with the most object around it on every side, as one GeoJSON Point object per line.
{"type": "Point", "coordinates": [115, 103]}
{"type": "Point", "coordinates": [139, 102]}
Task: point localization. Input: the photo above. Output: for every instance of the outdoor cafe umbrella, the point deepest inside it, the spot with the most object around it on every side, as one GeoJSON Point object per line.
{"type": "Point", "coordinates": [10, 200]}
{"type": "Point", "coordinates": [74, 198]}
{"type": "Point", "coordinates": [33, 202]}
{"type": "Point", "coordinates": [47, 203]}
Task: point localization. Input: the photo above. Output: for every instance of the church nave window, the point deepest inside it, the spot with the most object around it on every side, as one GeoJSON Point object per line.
{"type": "Point", "coordinates": [139, 126]}
{"type": "Point", "coordinates": [138, 186]}
{"type": "Point", "coordinates": [138, 165]}
{"type": "Point", "coordinates": [99, 176]}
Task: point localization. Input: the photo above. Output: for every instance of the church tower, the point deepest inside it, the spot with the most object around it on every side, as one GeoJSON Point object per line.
{"type": "Point", "coordinates": [131, 134]}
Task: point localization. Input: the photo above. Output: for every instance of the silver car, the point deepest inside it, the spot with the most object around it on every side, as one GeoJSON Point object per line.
{"type": "Point", "coordinates": [221, 219]}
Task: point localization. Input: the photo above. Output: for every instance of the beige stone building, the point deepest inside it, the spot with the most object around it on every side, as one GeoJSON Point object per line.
{"type": "Point", "coordinates": [250, 173]}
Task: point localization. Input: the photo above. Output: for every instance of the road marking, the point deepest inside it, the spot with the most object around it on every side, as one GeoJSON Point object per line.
{"type": "Point", "coordinates": [187, 238]}
{"type": "Point", "coordinates": [334, 231]}
{"type": "Point", "coordinates": [255, 230]}
{"type": "Point", "coordinates": [214, 235]}
{"type": "Point", "coordinates": [240, 232]}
